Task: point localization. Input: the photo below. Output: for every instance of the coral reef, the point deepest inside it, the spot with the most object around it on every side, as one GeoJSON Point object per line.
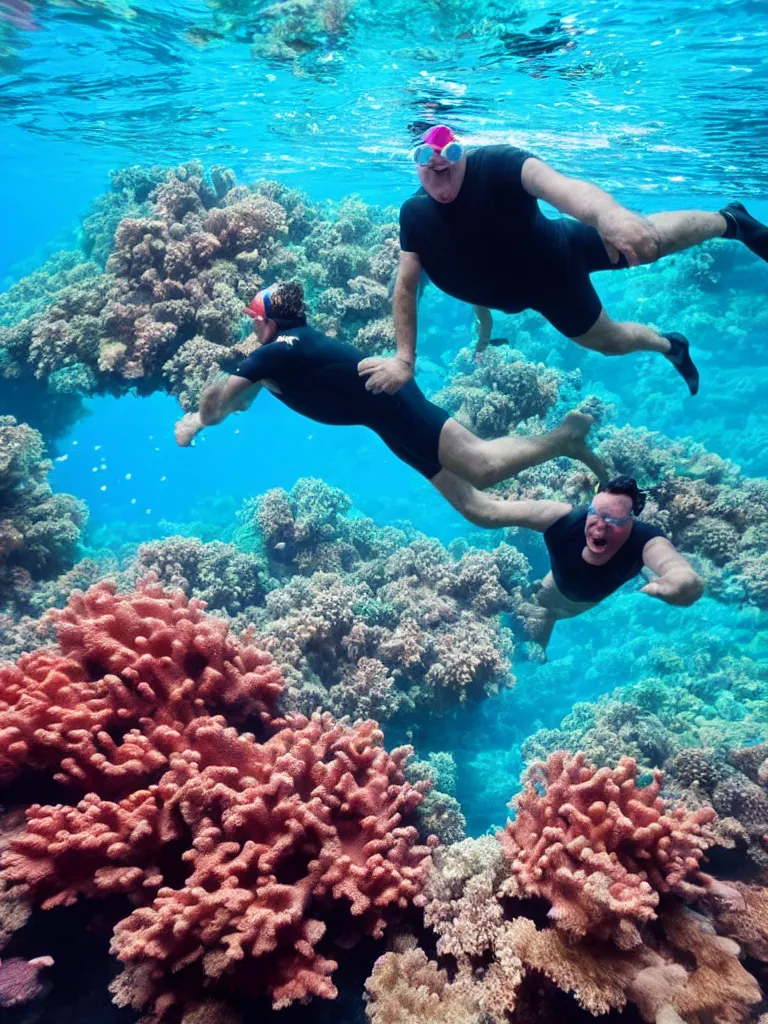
{"type": "Point", "coordinates": [401, 628]}
{"type": "Point", "coordinates": [493, 397]}
{"type": "Point", "coordinates": [39, 530]}
{"type": "Point", "coordinates": [440, 812]}
{"type": "Point", "coordinates": [486, 901]}
{"type": "Point", "coordinates": [248, 859]}
{"type": "Point", "coordinates": [219, 574]}
{"type": "Point", "coordinates": [698, 694]}
{"type": "Point", "coordinates": [736, 786]}
{"type": "Point", "coordinates": [183, 250]}
{"type": "Point", "coordinates": [365, 621]}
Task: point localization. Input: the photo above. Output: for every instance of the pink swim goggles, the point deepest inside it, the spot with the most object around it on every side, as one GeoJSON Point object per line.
{"type": "Point", "coordinates": [438, 140]}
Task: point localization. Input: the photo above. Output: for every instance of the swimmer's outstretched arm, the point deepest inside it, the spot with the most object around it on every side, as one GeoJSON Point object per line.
{"type": "Point", "coordinates": [676, 580]}
{"type": "Point", "coordinates": [221, 398]}
{"type": "Point", "coordinates": [390, 374]}
{"type": "Point", "coordinates": [622, 231]}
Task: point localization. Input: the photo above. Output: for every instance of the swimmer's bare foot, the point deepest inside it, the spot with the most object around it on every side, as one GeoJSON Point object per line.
{"type": "Point", "coordinates": [187, 429]}
{"type": "Point", "coordinates": [576, 426]}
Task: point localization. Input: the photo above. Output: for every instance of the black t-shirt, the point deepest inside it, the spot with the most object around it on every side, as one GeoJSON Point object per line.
{"type": "Point", "coordinates": [578, 580]}
{"type": "Point", "coordinates": [317, 375]}
{"type": "Point", "coordinates": [492, 246]}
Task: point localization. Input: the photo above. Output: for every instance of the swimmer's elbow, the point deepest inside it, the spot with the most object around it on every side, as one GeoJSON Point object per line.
{"type": "Point", "coordinates": [406, 287]}
{"type": "Point", "coordinates": [696, 588]}
{"type": "Point", "coordinates": [211, 405]}
{"type": "Point", "coordinates": [691, 590]}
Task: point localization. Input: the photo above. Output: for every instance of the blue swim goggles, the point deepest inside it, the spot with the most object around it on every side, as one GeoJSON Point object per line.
{"type": "Point", "coordinates": [611, 520]}
{"type": "Point", "coordinates": [452, 152]}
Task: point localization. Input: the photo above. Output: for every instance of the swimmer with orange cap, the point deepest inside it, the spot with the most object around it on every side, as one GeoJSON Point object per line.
{"type": "Point", "coordinates": [318, 377]}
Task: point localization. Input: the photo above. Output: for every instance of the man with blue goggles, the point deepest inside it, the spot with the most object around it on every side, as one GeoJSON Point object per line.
{"type": "Point", "coordinates": [475, 230]}
{"type": "Point", "coordinates": [595, 550]}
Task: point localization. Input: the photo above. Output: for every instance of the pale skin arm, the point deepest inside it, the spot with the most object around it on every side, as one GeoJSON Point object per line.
{"type": "Point", "coordinates": [219, 400]}
{"type": "Point", "coordinates": [390, 374]}
{"type": "Point", "coordinates": [621, 230]}
{"type": "Point", "coordinates": [676, 580]}
{"type": "Point", "coordinates": [405, 304]}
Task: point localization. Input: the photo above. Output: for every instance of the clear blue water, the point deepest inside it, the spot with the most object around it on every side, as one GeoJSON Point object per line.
{"type": "Point", "coordinates": [663, 104]}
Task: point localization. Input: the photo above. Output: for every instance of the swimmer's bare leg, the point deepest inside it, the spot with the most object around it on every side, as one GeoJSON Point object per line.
{"type": "Point", "coordinates": [484, 328]}
{"type": "Point", "coordinates": [681, 229]}
{"type": "Point", "coordinates": [187, 429]}
{"type": "Point", "coordinates": [483, 463]}
{"type": "Point", "coordinates": [620, 337]}
{"type": "Point", "coordinates": [539, 624]}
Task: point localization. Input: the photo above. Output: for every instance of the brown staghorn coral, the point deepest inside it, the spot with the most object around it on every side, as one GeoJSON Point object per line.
{"type": "Point", "coordinates": [184, 250]}
{"type": "Point", "coordinates": [39, 530]}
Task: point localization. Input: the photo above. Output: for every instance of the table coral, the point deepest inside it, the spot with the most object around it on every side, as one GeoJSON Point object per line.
{"type": "Point", "coordinates": [19, 980]}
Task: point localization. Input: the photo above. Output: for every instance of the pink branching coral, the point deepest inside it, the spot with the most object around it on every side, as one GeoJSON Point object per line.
{"type": "Point", "coordinates": [236, 852]}
{"type": "Point", "coordinates": [141, 666]}
{"type": "Point", "coordinates": [602, 848]}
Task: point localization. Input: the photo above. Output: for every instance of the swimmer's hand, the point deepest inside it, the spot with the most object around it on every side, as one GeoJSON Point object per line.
{"type": "Point", "coordinates": [625, 233]}
{"type": "Point", "coordinates": [187, 429]}
{"type": "Point", "coordinates": [385, 375]}
{"type": "Point", "coordinates": [678, 587]}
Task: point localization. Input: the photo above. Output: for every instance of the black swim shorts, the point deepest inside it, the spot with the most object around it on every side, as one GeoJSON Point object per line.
{"type": "Point", "coordinates": [410, 426]}
{"type": "Point", "coordinates": [568, 299]}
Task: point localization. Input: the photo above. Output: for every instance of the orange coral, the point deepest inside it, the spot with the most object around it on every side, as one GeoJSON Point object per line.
{"type": "Point", "coordinates": [602, 848]}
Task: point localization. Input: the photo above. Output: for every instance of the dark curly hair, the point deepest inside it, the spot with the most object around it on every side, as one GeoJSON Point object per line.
{"type": "Point", "coordinates": [627, 485]}
{"type": "Point", "coordinates": [287, 300]}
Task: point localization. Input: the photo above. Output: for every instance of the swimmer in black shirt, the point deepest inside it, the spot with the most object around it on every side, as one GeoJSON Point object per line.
{"type": "Point", "coordinates": [593, 551]}
{"type": "Point", "coordinates": [475, 230]}
{"type": "Point", "coordinates": [318, 377]}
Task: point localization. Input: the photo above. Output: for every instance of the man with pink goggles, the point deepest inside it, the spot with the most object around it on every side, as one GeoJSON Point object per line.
{"type": "Point", "coordinates": [475, 230]}
{"type": "Point", "coordinates": [438, 141]}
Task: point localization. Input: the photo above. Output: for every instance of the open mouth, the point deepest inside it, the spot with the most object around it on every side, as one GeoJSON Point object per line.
{"type": "Point", "coordinates": [599, 542]}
